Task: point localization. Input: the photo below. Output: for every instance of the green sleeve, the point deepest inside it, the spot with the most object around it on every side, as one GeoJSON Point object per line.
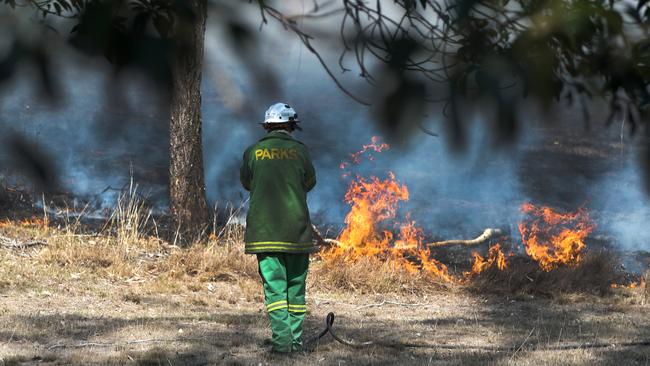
{"type": "Point", "coordinates": [245, 172]}
{"type": "Point", "coordinates": [309, 180]}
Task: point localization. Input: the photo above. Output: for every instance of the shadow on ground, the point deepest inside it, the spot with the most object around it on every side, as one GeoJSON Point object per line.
{"type": "Point", "coordinates": [229, 338]}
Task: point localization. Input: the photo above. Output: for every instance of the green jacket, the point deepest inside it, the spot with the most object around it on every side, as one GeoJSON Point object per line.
{"type": "Point", "coordinates": [278, 172]}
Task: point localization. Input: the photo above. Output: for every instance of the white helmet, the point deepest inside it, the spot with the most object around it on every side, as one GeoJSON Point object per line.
{"type": "Point", "coordinates": [280, 113]}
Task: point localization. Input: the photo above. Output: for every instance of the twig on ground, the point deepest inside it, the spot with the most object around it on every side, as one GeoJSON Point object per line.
{"type": "Point", "coordinates": [13, 243]}
{"type": "Point", "coordinates": [321, 301]}
{"type": "Point", "coordinates": [80, 235]}
{"type": "Point", "coordinates": [384, 302]}
{"type": "Point", "coordinates": [127, 343]}
{"type": "Point", "coordinates": [522, 344]}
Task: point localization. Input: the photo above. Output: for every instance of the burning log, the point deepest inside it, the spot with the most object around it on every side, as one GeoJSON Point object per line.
{"type": "Point", "coordinates": [488, 234]}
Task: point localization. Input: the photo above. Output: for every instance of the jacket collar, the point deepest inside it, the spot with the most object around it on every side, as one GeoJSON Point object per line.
{"type": "Point", "coordinates": [277, 134]}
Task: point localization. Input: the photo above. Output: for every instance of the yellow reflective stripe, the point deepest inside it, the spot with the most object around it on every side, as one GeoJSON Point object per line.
{"type": "Point", "coordinates": [276, 308]}
{"type": "Point", "coordinates": [297, 308]}
{"type": "Point", "coordinates": [278, 242]}
{"type": "Point", "coordinates": [257, 249]}
{"type": "Point", "coordinates": [277, 248]}
{"type": "Point", "coordinates": [298, 246]}
{"type": "Point", "coordinates": [276, 303]}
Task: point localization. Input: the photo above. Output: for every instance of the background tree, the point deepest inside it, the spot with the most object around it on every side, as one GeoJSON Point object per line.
{"type": "Point", "coordinates": [187, 182]}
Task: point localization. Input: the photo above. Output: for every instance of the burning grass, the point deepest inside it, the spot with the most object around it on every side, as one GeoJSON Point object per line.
{"type": "Point", "coordinates": [554, 239]}
{"type": "Point", "coordinates": [594, 275]}
{"type": "Point", "coordinates": [376, 242]}
{"type": "Point", "coordinates": [372, 202]}
{"type": "Point", "coordinates": [495, 259]}
{"type": "Point", "coordinates": [375, 253]}
{"type": "Point", "coordinates": [371, 275]}
{"type": "Point", "coordinates": [556, 259]}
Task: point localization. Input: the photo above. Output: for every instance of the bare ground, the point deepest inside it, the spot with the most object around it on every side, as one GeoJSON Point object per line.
{"type": "Point", "coordinates": [53, 314]}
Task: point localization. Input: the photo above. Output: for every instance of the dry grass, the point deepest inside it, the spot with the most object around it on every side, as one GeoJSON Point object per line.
{"type": "Point", "coordinates": [127, 249]}
{"type": "Point", "coordinates": [646, 289]}
{"type": "Point", "coordinates": [130, 217]}
{"type": "Point", "coordinates": [125, 283]}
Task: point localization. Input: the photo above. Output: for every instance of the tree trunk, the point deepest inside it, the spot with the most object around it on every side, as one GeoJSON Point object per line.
{"type": "Point", "coordinates": [187, 184]}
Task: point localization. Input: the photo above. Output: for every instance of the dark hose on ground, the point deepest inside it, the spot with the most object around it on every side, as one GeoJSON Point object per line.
{"type": "Point", "coordinates": [312, 344]}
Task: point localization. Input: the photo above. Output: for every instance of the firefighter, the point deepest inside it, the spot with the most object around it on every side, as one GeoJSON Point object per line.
{"type": "Point", "coordinates": [278, 172]}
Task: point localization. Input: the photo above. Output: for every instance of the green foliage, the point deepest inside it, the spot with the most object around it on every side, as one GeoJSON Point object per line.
{"type": "Point", "coordinates": [450, 51]}
{"type": "Point", "coordinates": [544, 49]}
{"type": "Point", "coordinates": [501, 50]}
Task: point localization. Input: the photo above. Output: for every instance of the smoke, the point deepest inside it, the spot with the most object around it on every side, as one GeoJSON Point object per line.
{"type": "Point", "coordinates": [624, 206]}
{"type": "Point", "coordinates": [94, 138]}
{"type": "Point", "coordinates": [97, 139]}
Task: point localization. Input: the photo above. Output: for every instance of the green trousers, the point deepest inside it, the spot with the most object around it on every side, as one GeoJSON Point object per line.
{"type": "Point", "coordinates": [284, 277]}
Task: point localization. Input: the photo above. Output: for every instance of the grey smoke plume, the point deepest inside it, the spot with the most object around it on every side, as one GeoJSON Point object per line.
{"type": "Point", "coordinates": [624, 206]}
{"type": "Point", "coordinates": [93, 138]}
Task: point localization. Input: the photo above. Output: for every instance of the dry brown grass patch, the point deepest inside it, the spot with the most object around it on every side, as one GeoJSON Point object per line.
{"type": "Point", "coordinates": [124, 254]}
{"type": "Point", "coordinates": [212, 262]}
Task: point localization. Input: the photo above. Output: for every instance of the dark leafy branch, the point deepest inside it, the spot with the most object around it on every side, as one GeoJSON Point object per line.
{"type": "Point", "coordinates": [550, 49]}
{"type": "Point", "coordinates": [416, 52]}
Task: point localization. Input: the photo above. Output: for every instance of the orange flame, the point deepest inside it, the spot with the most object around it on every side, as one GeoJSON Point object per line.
{"type": "Point", "coordinates": [554, 239]}
{"type": "Point", "coordinates": [374, 145]}
{"type": "Point", "coordinates": [641, 284]}
{"type": "Point", "coordinates": [551, 238]}
{"type": "Point", "coordinates": [372, 202]}
{"type": "Point", "coordinates": [495, 258]}
{"type": "Point", "coordinates": [355, 158]}
{"type": "Point", "coordinates": [34, 222]}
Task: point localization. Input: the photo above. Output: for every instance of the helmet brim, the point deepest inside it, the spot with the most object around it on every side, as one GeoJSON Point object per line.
{"type": "Point", "coordinates": [275, 121]}
{"type": "Point", "coordinates": [296, 125]}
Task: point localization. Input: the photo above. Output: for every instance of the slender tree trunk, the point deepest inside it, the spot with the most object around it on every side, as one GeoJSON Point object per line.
{"type": "Point", "coordinates": [187, 183]}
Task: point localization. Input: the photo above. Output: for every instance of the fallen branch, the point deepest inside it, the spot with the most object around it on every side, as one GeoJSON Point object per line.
{"type": "Point", "coordinates": [487, 235]}
{"type": "Point", "coordinates": [13, 243]}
